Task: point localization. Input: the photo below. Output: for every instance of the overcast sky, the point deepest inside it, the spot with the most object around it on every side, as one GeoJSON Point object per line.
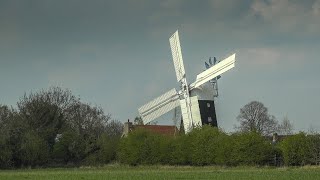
{"type": "Point", "coordinates": [116, 54]}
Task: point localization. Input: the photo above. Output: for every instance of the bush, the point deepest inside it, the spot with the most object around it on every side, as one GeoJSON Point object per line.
{"type": "Point", "coordinates": [104, 151]}
{"type": "Point", "coordinates": [315, 148]}
{"type": "Point", "coordinates": [296, 150]}
{"type": "Point", "coordinates": [205, 143]}
{"type": "Point", "coordinates": [5, 154]}
{"type": "Point", "coordinates": [179, 151]}
{"type": "Point", "coordinates": [141, 147]}
{"type": "Point", "coordinates": [6, 115]}
{"type": "Point", "coordinates": [202, 146]}
{"type": "Point", "coordinates": [34, 150]}
{"type": "Point", "coordinates": [250, 149]}
{"type": "Point", "coordinates": [62, 148]}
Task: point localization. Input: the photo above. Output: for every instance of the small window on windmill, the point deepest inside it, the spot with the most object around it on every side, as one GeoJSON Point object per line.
{"type": "Point", "coordinates": [209, 119]}
{"type": "Point", "coordinates": [208, 105]}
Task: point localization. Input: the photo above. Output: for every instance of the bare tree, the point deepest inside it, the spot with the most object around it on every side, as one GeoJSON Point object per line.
{"type": "Point", "coordinates": [254, 117]}
{"type": "Point", "coordinates": [285, 127]}
{"type": "Point", "coordinates": [138, 121]}
{"type": "Point", "coordinates": [114, 128]}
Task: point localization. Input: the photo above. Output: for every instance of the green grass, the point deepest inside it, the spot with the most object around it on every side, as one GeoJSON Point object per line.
{"type": "Point", "coordinates": [164, 172]}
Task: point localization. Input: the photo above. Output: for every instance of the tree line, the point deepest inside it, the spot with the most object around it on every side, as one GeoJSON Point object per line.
{"type": "Point", "coordinates": [54, 128]}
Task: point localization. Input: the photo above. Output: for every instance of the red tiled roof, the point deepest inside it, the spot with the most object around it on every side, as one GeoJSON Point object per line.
{"type": "Point", "coordinates": [164, 130]}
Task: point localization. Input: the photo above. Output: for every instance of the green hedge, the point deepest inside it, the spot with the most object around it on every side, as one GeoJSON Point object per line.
{"type": "Point", "coordinates": [205, 146]}
{"type": "Point", "coordinates": [297, 150]}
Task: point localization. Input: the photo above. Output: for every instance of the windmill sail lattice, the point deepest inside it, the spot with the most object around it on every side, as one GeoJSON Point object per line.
{"type": "Point", "coordinates": [159, 106]}
{"type": "Point", "coordinates": [177, 56]}
{"type": "Point", "coordinates": [214, 71]}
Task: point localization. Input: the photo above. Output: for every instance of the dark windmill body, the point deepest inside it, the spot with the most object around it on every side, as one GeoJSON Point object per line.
{"type": "Point", "coordinates": [206, 102]}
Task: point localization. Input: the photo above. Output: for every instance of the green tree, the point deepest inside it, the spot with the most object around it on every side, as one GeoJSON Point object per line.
{"type": "Point", "coordinates": [34, 150]}
{"type": "Point", "coordinates": [5, 151]}
{"type": "Point", "coordinates": [45, 112]}
{"type": "Point", "coordinates": [69, 128]}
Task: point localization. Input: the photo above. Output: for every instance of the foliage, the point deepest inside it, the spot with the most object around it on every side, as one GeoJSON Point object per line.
{"type": "Point", "coordinates": [296, 149]}
{"type": "Point", "coordinates": [254, 117]}
{"type": "Point", "coordinates": [203, 146]}
{"type": "Point", "coordinates": [314, 140]}
{"type": "Point", "coordinates": [34, 150]}
{"type": "Point", "coordinates": [53, 127]}
{"type": "Point", "coordinates": [250, 148]}
{"type": "Point", "coordinates": [140, 147]}
{"type": "Point", "coordinates": [5, 151]}
{"type": "Point", "coordinates": [179, 150]}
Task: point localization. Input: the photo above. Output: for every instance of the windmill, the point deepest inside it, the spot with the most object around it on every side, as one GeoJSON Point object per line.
{"type": "Point", "coordinates": [196, 108]}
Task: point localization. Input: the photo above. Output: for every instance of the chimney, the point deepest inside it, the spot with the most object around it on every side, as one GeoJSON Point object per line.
{"type": "Point", "coordinates": [274, 138]}
{"type": "Point", "coordinates": [127, 128]}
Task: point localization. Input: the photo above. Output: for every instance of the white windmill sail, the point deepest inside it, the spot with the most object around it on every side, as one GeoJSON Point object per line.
{"type": "Point", "coordinates": [177, 117]}
{"type": "Point", "coordinates": [195, 111]}
{"type": "Point", "coordinates": [214, 71]}
{"type": "Point", "coordinates": [187, 123]}
{"type": "Point", "coordinates": [185, 102]}
{"type": "Point", "coordinates": [159, 106]}
{"type": "Point", "coordinates": [177, 56]}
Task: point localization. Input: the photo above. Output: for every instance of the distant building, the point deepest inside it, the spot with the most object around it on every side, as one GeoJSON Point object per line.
{"type": "Point", "coordinates": [159, 129]}
{"type": "Point", "coordinates": [276, 138]}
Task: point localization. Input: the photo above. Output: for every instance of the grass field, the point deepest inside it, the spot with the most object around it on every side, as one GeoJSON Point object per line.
{"type": "Point", "coordinates": [164, 172]}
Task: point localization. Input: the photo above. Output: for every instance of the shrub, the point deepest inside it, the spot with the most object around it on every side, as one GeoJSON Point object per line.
{"type": "Point", "coordinates": [296, 149]}
{"type": "Point", "coordinates": [140, 147]}
{"type": "Point", "coordinates": [5, 154]}
{"type": "Point", "coordinates": [179, 151]}
{"type": "Point", "coordinates": [315, 148]}
{"type": "Point", "coordinates": [62, 148]}
{"type": "Point", "coordinates": [34, 150]}
{"type": "Point", "coordinates": [104, 150]}
{"type": "Point", "coordinates": [204, 144]}
{"type": "Point", "coordinates": [250, 149]}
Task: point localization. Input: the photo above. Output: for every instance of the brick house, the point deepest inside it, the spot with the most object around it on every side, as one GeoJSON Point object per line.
{"type": "Point", "coordinates": [159, 129]}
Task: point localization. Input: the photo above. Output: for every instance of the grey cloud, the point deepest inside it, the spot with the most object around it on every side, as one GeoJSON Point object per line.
{"type": "Point", "coordinates": [288, 16]}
